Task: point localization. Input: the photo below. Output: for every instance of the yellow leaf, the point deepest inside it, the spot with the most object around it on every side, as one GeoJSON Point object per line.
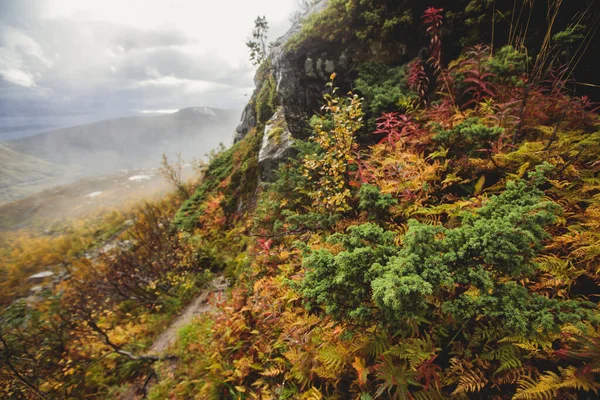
{"type": "Point", "coordinates": [479, 185]}
{"type": "Point", "coordinates": [522, 169]}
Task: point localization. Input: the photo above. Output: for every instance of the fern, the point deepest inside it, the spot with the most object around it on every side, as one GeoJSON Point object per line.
{"type": "Point", "coordinates": [273, 371]}
{"type": "Point", "coordinates": [333, 359]}
{"type": "Point", "coordinates": [312, 394]}
{"type": "Point", "coordinates": [511, 377]}
{"type": "Point", "coordinates": [415, 351]}
{"type": "Point", "coordinates": [426, 395]}
{"type": "Point", "coordinates": [468, 378]}
{"type": "Point", "coordinates": [470, 381]}
{"type": "Point", "coordinates": [530, 342]}
{"type": "Point", "coordinates": [549, 384]}
{"type": "Point", "coordinates": [509, 357]}
{"type": "Point", "coordinates": [378, 346]}
{"type": "Point", "coordinates": [396, 379]}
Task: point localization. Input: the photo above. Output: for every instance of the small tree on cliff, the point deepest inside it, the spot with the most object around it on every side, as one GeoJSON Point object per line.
{"type": "Point", "coordinates": [258, 43]}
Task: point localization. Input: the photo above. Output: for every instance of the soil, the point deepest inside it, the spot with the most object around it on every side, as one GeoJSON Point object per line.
{"type": "Point", "coordinates": [197, 307]}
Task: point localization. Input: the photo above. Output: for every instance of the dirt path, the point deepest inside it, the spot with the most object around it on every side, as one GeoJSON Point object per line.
{"type": "Point", "coordinates": [197, 307]}
{"type": "Point", "coordinates": [168, 337]}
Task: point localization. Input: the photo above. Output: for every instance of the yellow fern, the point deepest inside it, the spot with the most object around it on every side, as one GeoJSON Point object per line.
{"type": "Point", "coordinates": [312, 394]}
{"type": "Point", "coordinates": [549, 384]}
{"type": "Point", "coordinates": [273, 370]}
{"type": "Point", "coordinates": [470, 381]}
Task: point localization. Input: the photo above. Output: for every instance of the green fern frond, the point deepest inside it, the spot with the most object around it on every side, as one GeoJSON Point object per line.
{"type": "Point", "coordinates": [509, 357]}
{"type": "Point", "coordinates": [378, 346]}
{"type": "Point", "coordinates": [532, 343]}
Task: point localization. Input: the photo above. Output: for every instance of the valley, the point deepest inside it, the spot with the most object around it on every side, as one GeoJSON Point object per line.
{"type": "Point", "coordinates": [85, 197]}
{"type": "Point", "coordinates": [67, 155]}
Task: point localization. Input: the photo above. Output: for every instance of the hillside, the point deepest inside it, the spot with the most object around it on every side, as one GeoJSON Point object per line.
{"type": "Point", "coordinates": [23, 174]}
{"type": "Point", "coordinates": [410, 210]}
{"type": "Point", "coordinates": [134, 142]}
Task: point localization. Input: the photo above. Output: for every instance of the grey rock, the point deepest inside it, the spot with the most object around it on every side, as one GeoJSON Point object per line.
{"type": "Point", "coordinates": [309, 67]}
{"type": "Point", "coordinates": [320, 68]}
{"type": "Point", "coordinates": [276, 145]}
{"type": "Point", "coordinates": [329, 66]}
{"type": "Point", "coordinates": [300, 81]}
{"type": "Point", "coordinates": [40, 277]}
{"type": "Point", "coordinates": [247, 121]}
{"type": "Point", "coordinates": [36, 289]}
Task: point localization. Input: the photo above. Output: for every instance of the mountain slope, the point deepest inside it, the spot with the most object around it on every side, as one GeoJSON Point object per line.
{"type": "Point", "coordinates": [23, 174]}
{"type": "Point", "coordinates": [132, 142]}
{"type": "Point", "coordinates": [432, 234]}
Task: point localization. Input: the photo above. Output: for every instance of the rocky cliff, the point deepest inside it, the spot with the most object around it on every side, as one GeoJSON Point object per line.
{"type": "Point", "coordinates": [291, 83]}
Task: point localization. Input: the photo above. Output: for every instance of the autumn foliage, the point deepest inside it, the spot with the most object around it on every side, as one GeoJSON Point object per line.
{"type": "Point", "coordinates": [447, 249]}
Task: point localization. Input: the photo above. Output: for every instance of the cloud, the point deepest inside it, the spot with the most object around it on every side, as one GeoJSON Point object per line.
{"type": "Point", "coordinates": [160, 111]}
{"type": "Point", "coordinates": [121, 57]}
{"type": "Point", "coordinates": [131, 38]}
{"type": "Point", "coordinates": [21, 78]}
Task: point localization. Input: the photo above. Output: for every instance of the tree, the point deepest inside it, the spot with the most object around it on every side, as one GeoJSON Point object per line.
{"type": "Point", "coordinates": [334, 134]}
{"type": "Point", "coordinates": [258, 43]}
{"type": "Point", "coordinates": [173, 174]}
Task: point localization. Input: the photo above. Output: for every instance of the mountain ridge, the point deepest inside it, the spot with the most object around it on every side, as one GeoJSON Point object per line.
{"type": "Point", "coordinates": [129, 142]}
{"type": "Point", "coordinates": [111, 145]}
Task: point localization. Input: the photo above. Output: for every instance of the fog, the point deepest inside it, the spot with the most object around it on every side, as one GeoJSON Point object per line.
{"type": "Point", "coordinates": [90, 87]}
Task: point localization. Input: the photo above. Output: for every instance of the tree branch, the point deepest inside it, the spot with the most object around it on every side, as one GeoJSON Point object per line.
{"type": "Point", "coordinates": [16, 373]}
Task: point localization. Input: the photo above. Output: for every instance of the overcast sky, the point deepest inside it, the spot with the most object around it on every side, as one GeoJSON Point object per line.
{"type": "Point", "coordinates": [105, 57]}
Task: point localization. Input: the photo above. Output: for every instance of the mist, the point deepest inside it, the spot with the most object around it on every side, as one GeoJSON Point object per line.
{"type": "Point", "coordinates": [92, 88]}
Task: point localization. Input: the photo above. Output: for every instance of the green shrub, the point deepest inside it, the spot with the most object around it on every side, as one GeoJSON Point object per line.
{"type": "Point", "coordinates": [472, 270]}
{"type": "Point", "coordinates": [469, 136]}
{"type": "Point", "coordinates": [383, 89]}
{"type": "Point", "coordinates": [376, 204]}
{"type": "Point", "coordinates": [310, 221]}
{"type": "Point", "coordinates": [568, 40]}
{"type": "Point", "coordinates": [508, 62]}
{"type": "Point", "coordinates": [344, 21]}
{"type": "Point", "coordinates": [341, 282]}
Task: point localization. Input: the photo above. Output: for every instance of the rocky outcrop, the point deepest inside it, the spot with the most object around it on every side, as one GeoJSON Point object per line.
{"type": "Point", "coordinates": [247, 122]}
{"type": "Point", "coordinates": [300, 75]}
{"type": "Point", "coordinates": [276, 145]}
{"type": "Point", "coordinates": [302, 72]}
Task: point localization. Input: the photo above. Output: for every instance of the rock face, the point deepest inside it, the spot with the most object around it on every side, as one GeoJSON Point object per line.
{"type": "Point", "coordinates": [300, 75]}
{"type": "Point", "coordinates": [276, 145]}
{"type": "Point", "coordinates": [247, 122]}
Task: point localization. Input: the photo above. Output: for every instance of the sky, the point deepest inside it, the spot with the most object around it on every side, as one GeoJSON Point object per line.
{"type": "Point", "coordinates": [91, 59]}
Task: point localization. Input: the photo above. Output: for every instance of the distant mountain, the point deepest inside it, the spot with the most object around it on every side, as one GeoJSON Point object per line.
{"type": "Point", "coordinates": [22, 174]}
{"type": "Point", "coordinates": [132, 142]}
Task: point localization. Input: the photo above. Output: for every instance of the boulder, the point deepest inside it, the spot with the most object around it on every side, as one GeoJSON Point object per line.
{"type": "Point", "coordinates": [276, 145]}
{"type": "Point", "coordinates": [247, 122]}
